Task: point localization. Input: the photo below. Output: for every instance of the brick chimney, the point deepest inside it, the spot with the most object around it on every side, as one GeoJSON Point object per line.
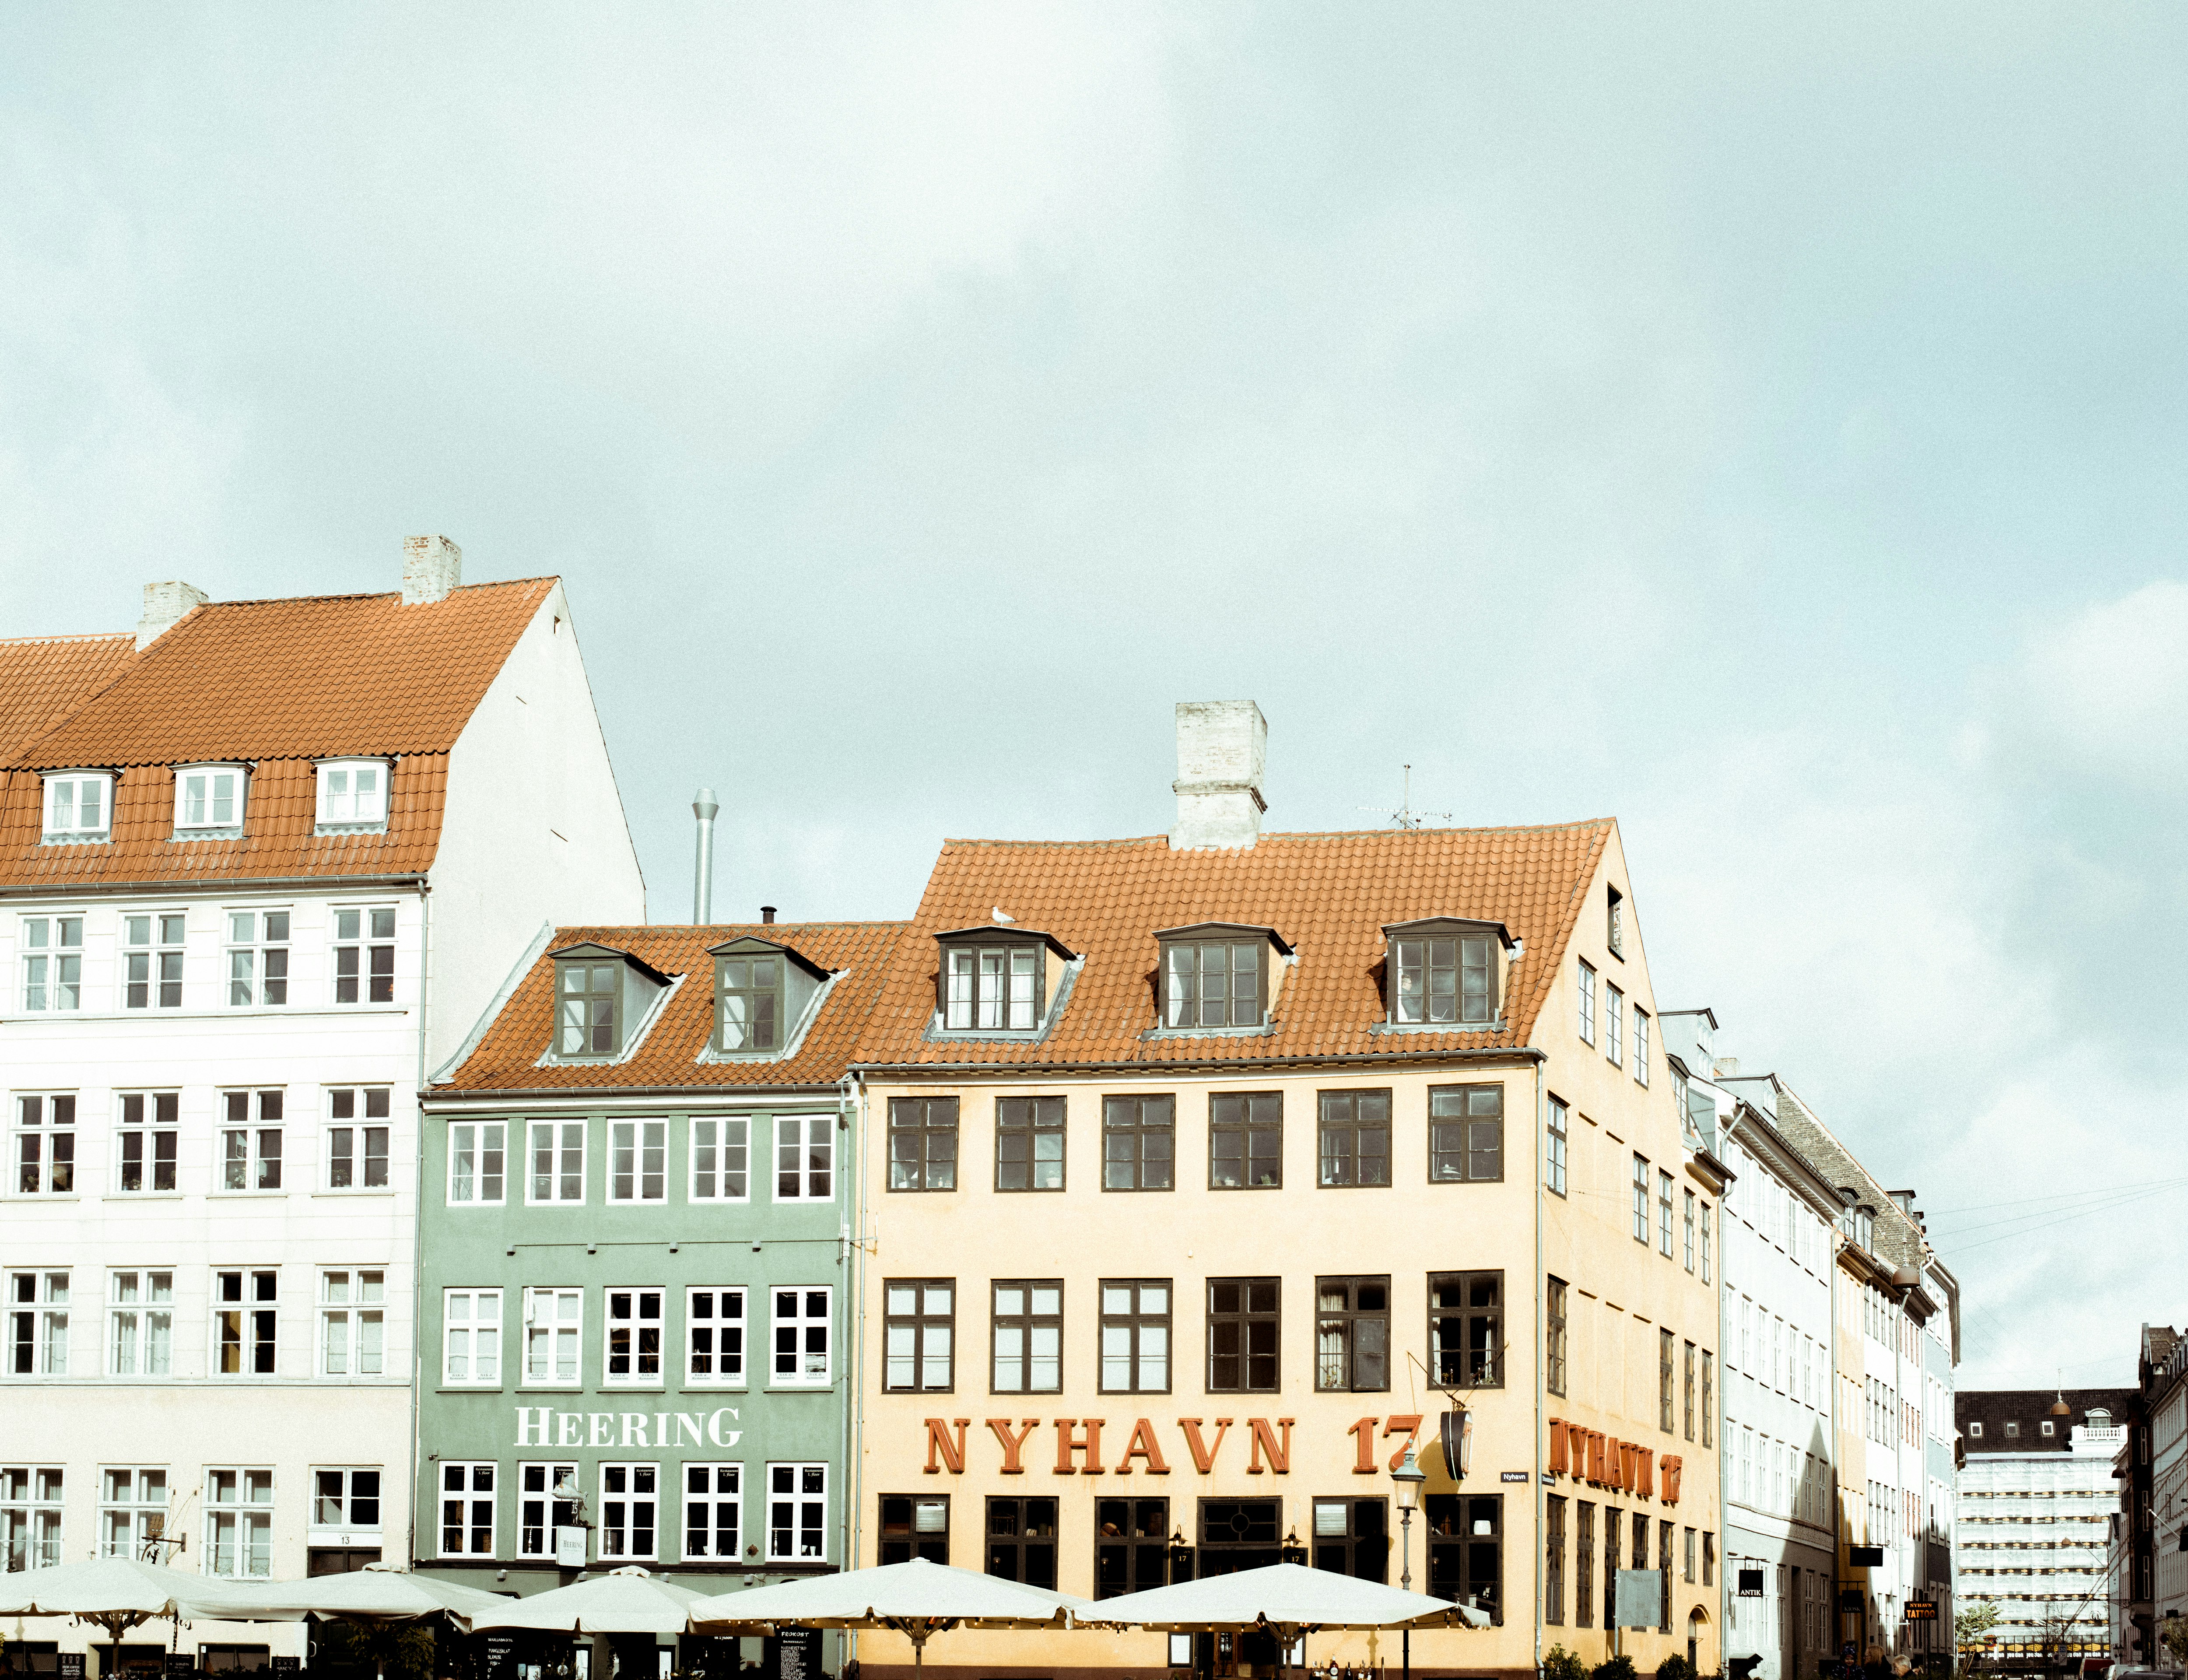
{"type": "Point", "coordinates": [432, 566]}
{"type": "Point", "coordinates": [165, 606]}
{"type": "Point", "coordinates": [1221, 744]}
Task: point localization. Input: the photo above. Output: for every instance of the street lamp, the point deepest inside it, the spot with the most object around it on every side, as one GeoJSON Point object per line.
{"type": "Point", "coordinates": [1407, 1479]}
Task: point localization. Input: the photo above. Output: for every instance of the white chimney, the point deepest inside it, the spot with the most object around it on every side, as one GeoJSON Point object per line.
{"type": "Point", "coordinates": [704, 805]}
{"type": "Point", "coordinates": [432, 566]}
{"type": "Point", "coordinates": [165, 604]}
{"type": "Point", "coordinates": [1221, 744]}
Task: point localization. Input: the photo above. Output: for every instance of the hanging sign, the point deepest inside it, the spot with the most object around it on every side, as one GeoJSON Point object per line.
{"type": "Point", "coordinates": [569, 1546]}
{"type": "Point", "coordinates": [1921, 1609]}
{"type": "Point", "coordinates": [1751, 1583]}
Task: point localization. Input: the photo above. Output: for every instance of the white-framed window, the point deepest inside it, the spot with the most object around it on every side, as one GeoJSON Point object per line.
{"type": "Point", "coordinates": [208, 798]}
{"type": "Point", "coordinates": [345, 1501]}
{"type": "Point", "coordinates": [631, 1354]}
{"type": "Point", "coordinates": [713, 1512]}
{"type": "Point", "coordinates": [471, 1339]}
{"type": "Point", "coordinates": [714, 1337]}
{"type": "Point", "coordinates": [353, 793]}
{"type": "Point", "coordinates": [805, 1157]}
{"type": "Point", "coordinates": [38, 1324]}
{"type": "Point", "coordinates": [257, 957]}
{"type": "Point", "coordinates": [30, 1517]}
{"type": "Point", "coordinates": [239, 1507]}
{"type": "Point", "coordinates": [152, 960]}
{"type": "Point", "coordinates": [719, 1160]}
{"type": "Point", "coordinates": [637, 1161]}
{"type": "Point", "coordinates": [801, 1338]}
{"type": "Point", "coordinates": [1587, 1000]}
{"type": "Point", "coordinates": [557, 1162]}
{"type": "Point", "coordinates": [554, 1321]}
{"type": "Point", "coordinates": [53, 962]}
{"type": "Point", "coordinates": [364, 954]}
{"type": "Point", "coordinates": [797, 1513]}
{"type": "Point", "coordinates": [140, 1322]}
{"type": "Point", "coordinates": [132, 1510]}
{"type": "Point", "coordinates": [630, 1509]}
{"type": "Point", "coordinates": [148, 1137]}
{"type": "Point", "coordinates": [251, 1142]}
{"type": "Point", "coordinates": [1614, 1024]}
{"type": "Point", "coordinates": [352, 1310]}
{"type": "Point", "coordinates": [79, 806]}
{"type": "Point", "coordinates": [467, 1508]}
{"type": "Point", "coordinates": [547, 1498]}
{"type": "Point", "coordinates": [477, 1163]}
{"type": "Point", "coordinates": [245, 1322]}
{"type": "Point", "coordinates": [357, 1138]}
{"type": "Point", "coordinates": [45, 1144]}
{"type": "Point", "coordinates": [1640, 1045]}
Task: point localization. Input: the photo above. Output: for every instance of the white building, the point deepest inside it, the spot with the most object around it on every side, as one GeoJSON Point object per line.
{"type": "Point", "coordinates": [261, 867]}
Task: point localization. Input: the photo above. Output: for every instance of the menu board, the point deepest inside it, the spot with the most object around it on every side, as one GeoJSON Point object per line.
{"type": "Point", "coordinates": [793, 1653]}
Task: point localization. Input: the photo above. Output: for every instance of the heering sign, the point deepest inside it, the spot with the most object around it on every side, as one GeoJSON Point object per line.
{"type": "Point", "coordinates": [543, 1426]}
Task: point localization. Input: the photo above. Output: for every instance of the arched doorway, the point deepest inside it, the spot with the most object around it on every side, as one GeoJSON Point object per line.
{"type": "Point", "coordinates": [1696, 1621]}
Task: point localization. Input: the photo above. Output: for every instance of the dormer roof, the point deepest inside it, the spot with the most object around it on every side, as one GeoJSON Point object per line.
{"type": "Point", "coordinates": [1224, 930]}
{"type": "Point", "coordinates": [747, 944]}
{"type": "Point", "coordinates": [592, 950]}
{"type": "Point", "coordinates": [1429, 925]}
{"type": "Point", "coordinates": [1008, 930]}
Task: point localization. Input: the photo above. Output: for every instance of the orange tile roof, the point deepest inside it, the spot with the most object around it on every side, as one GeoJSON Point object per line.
{"type": "Point", "coordinates": [1329, 894]}
{"type": "Point", "coordinates": [507, 1057]}
{"type": "Point", "coordinates": [42, 679]}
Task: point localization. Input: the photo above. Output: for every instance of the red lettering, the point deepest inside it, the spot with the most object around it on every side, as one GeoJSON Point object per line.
{"type": "Point", "coordinates": [1560, 1457]}
{"type": "Point", "coordinates": [1204, 1454]}
{"type": "Point", "coordinates": [1264, 1440]}
{"type": "Point", "coordinates": [1364, 1440]}
{"type": "Point", "coordinates": [1644, 1481]}
{"type": "Point", "coordinates": [1142, 1446]}
{"type": "Point", "coordinates": [1066, 1446]}
{"type": "Point", "coordinates": [1410, 1423]}
{"type": "Point", "coordinates": [1673, 1465]}
{"type": "Point", "coordinates": [1013, 1444]}
{"type": "Point", "coordinates": [938, 1441]}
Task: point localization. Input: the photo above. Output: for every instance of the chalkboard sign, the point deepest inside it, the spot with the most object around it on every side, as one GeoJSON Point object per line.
{"type": "Point", "coordinates": [179, 1665]}
{"type": "Point", "coordinates": [794, 1653]}
{"type": "Point", "coordinates": [71, 1665]}
{"type": "Point", "coordinates": [287, 1665]}
{"type": "Point", "coordinates": [500, 1654]}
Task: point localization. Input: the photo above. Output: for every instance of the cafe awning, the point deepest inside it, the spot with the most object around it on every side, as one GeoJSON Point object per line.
{"type": "Point", "coordinates": [121, 1591]}
{"type": "Point", "coordinates": [627, 1600]}
{"type": "Point", "coordinates": [376, 1592]}
{"type": "Point", "coordinates": [1289, 1598]}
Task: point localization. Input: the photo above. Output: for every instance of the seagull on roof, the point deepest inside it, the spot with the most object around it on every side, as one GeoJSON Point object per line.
{"type": "Point", "coordinates": [1001, 915]}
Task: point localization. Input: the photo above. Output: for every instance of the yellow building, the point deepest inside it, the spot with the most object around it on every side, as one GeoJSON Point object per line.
{"type": "Point", "coordinates": [1205, 1174]}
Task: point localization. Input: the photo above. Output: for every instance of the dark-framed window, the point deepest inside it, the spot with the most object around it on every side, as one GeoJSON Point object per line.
{"type": "Point", "coordinates": [922, 1142]}
{"type": "Point", "coordinates": [1239, 1534]}
{"type": "Point", "coordinates": [1610, 1544]}
{"type": "Point", "coordinates": [1664, 1532]}
{"type": "Point", "coordinates": [1553, 1155]}
{"type": "Point", "coordinates": [1352, 1536]}
{"type": "Point", "coordinates": [1352, 1334]}
{"type": "Point", "coordinates": [1583, 1564]}
{"type": "Point", "coordinates": [1022, 1541]}
{"type": "Point", "coordinates": [1131, 1545]}
{"type": "Point", "coordinates": [1026, 1335]}
{"type": "Point", "coordinates": [1246, 1140]}
{"type": "Point", "coordinates": [1139, 1143]}
{"type": "Point", "coordinates": [586, 1018]}
{"type": "Point", "coordinates": [1664, 1340]}
{"type": "Point", "coordinates": [1466, 1550]}
{"type": "Point", "coordinates": [1466, 1134]}
{"type": "Point", "coordinates": [1029, 1143]}
{"type": "Point", "coordinates": [1554, 1349]}
{"type": "Point", "coordinates": [1690, 1390]}
{"type": "Point", "coordinates": [993, 987]}
{"type": "Point", "coordinates": [747, 1003]}
{"type": "Point", "coordinates": [1554, 1560]}
{"type": "Point", "coordinates": [914, 1525]}
{"type": "Point", "coordinates": [1212, 982]}
{"type": "Point", "coordinates": [1136, 1335]}
{"type": "Point", "coordinates": [1446, 977]}
{"type": "Point", "coordinates": [919, 1332]}
{"type": "Point", "coordinates": [1244, 1318]}
{"type": "Point", "coordinates": [1355, 1137]}
{"type": "Point", "coordinates": [1709, 1395]}
{"type": "Point", "coordinates": [1466, 1328]}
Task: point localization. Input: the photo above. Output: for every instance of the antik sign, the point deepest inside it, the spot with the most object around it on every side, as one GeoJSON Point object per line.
{"type": "Point", "coordinates": [543, 1426]}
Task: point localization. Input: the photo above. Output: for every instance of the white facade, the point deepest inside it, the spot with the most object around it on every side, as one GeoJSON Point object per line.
{"type": "Point", "coordinates": [2168, 1493]}
{"type": "Point", "coordinates": [2033, 1537]}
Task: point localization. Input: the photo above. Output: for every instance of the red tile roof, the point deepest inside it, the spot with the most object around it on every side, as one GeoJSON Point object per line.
{"type": "Point", "coordinates": [42, 679]}
{"type": "Point", "coordinates": [507, 1057]}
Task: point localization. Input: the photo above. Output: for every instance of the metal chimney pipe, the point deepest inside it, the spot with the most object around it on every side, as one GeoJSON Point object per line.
{"type": "Point", "coordinates": [702, 867]}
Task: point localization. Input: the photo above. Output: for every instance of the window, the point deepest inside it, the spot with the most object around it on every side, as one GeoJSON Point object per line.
{"type": "Point", "coordinates": [1705, 1241]}
{"type": "Point", "coordinates": [587, 1023]}
{"type": "Point", "coordinates": [1242, 1323]}
{"type": "Point", "coordinates": [1553, 1562]}
{"type": "Point", "coordinates": [2045, 1428]}
{"type": "Point", "coordinates": [922, 1143]}
{"type": "Point", "coordinates": [1689, 1388]}
{"type": "Point", "coordinates": [1443, 971]}
{"type": "Point", "coordinates": [1708, 1556]}
{"type": "Point", "coordinates": [1466, 1328]}
{"type": "Point", "coordinates": [714, 1337]}
{"type": "Point", "coordinates": [805, 1157]}
{"type": "Point", "coordinates": [546, 1500]}
{"type": "Point", "coordinates": [140, 1323]}
{"type": "Point", "coordinates": [1688, 1571]}
{"type": "Point", "coordinates": [1664, 1340]}
{"type": "Point", "coordinates": [1027, 1330]}
{"type": "Point", "coordinates": [747, 1003]}
{"type": "Point", "coordinates": [1466, 1550]}
{"type": "Point", "coordinates": [718, 1162]}
{"type": "Point", "coordinates": [796, 1511]}
{"type": "Point", "coordinates": [1352, 1536]}
{"type": "Point", "coordinates": [633, 1352]}
{"type": "Point", "coordinates": [1246, 1140]}
{"type": "Point", "coordinates": [1584, 1565]}
{"type": "Point", "coordinates": [245, 1320]}
{"type": "Point", "coordinates": [364, 954]}
{"type": "Point", "coordinates": [1554, 1155]}
{"type": "Point", "coordinates": [1352, 1334]}
{"type": "Point", "coordinates": [637, 1161]}
{"type": "Point", "coordinates": [1640, 1046]}
{"type": "Point", "coordinates": [1587, 997]}
{"type": "Point", "coordinates": [1975, 1431]}
{"type": "Point", "coordinates": [467, 1504]}
{"type": "Point", "coordinates": [553, 1321]}
{"type": "Point", "coordinates": [558, 1161]}
{"type": "Point", "coordinates": [208, 798]}
{"type": "Point", "coordinates": [250, 1155]}
{"type": "Point", "coordinates": [629, 1506]}
{"type": "Point", "coordinates": [132, 1512]}
{"type": "Point", "coordinates": [1138, 1142]}
{"type": "Point", "coordinates": [801, 1338]}
{"type": "Point", "coordinates": [1466, 1133]}
{"type": "Point", "coordinates": [471, 1338]}
{"type": "Point", "coordinates": [1135, 1336]}
{"type": "Point", "coordinates": [1022, 1541]}
{"type": "Point", "coordinates": [1664, 1531]}
{"type": "Point", "coordinates": [38, 1324]}
{"type": "Point", "coordinates": [1356, 1137]}
{"type": "Point", "coordinates": [1028, 1143]}
{"type": "Point", "coordinates": [1554, 1359]}
{"type": "Point", "coordinates": [2012, 1431]}
{"type": "Point", "coordinates": [152, 960]}
{"type": "Point", "coordinates": [1709, 1398]}
{"type": "Point", "coordinates": [53, 962]}
{"type": "Point", "coordinates": [1690, 1230]}
{"type": "Point", "coordinates": [238, 1506]}
{"type": "Point", "coordinates": [476, 1159]}
{"type": "Point", "coordinates": [713, 1512]}
{"type": "Point", "coordinates": [1614, 1024]}
{"type": "Point", "coordinates": [1613, 932]}
{"type": "Point", "coordinates": [352, 1305]}
{"type": "Point", "coordinates": [1640, 1200]}
{"type": "Point", "coordinates": [78, 806]}
{"type": "Point", "coordinates": [1212, 984]}
{"type": "Point", "coordinates": [1131, 1544]}
{"type": "Point", "coordinates": [915, 1528]}
{"type": "Point", "coordinates": [353, 795]}
{"type": "Point", "coordinates": [993, 989]}
{"type": "Point", "coordinates": [919, 1334]}
{"type": "Point", "coordinates": [147, 1138]}
{"type": "Point", "coordinates": [257, 957]}
{"type": "Point", "coordinates": [1663, 1213]}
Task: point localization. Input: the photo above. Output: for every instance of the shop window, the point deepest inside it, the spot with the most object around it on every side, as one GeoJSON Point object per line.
{"type": "Point", "coordinates": [1466, 1556]}
{"type": "Point", "coordinates": [1352, 1536]}
{"type": "Point", "coordinates": [1131, 1545]}
{"type": "Point", "coordinates": [915, 1527]}
{"type": "Point", "coordinates": [1022, 1541]}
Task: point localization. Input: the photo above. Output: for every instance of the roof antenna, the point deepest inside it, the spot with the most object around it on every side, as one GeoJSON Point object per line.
{"type": "Point", "coordinates": [1406, 816]}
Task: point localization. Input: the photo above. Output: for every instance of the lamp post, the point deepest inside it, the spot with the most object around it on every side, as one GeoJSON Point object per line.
{"type": "Point", "coordinates": [1407, 1479]}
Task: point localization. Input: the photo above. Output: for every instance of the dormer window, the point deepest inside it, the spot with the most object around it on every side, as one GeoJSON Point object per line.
{"type": "Point", "coordinates": [998, 980]}
{"type": "Point", "coordinates": [1217, 974]}
{"type": "Point", "coordinates": [79, 806]}
{"type": "Point", "coordinates": [762, 992]}
{"type": "Point", "coordinates": [1445, 972]}
{"type": "Point", "coordinates": [353, 795]}
{"type": "Point", "coordinates": [209, 800]}
{"type": "Point", "coordinates": [601, 995]}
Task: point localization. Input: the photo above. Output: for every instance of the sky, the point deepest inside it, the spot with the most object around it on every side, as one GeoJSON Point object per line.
{"type": "Point", "coordinates": [1764, 427]}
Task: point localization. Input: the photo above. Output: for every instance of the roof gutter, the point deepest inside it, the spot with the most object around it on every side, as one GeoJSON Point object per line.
{"type": "Point", "coordinates": [224, 883]}
{"type": "Point", "coordinates": [1211, 1064]}
{"type": "Point", "coordinates": [625, 1092]}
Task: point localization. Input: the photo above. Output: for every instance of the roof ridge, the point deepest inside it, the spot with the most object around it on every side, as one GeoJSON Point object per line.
{"type": "Point", "coordinates": [708, 927]}
{"type": "Point", "coordinates": [1576, 824]}
{"type": "Point", "coordinates": [371, 594]}
{"type": "Point", "coordinates": [67, 636]}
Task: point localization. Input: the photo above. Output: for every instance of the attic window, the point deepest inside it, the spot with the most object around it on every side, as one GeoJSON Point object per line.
{"type": "Point", "coordinates": [602, 995]}
{"type": "Point", "coordinates": [352, 794]}
{"type": "Point", "coordinates": [79, 806]}
{"type": "Point", "coordinates": [1444, 971]}
{"type": "Point", "coordinates": [209, 800]}
{"type": "Point", "coordinates": [1613, 933]}
{"type": "Point", "coordinates": [1217, 974]}
{"type": "Point", "coordinates": [997, 979]}
{"type": "Point", "coordinates": [762, 991]}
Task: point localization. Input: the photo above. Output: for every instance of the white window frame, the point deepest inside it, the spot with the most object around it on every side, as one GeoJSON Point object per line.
{"type": "Point", "coordinates": [38, 1320]}
{"type": "Point", "coordinates": [254, 1129]}
{"type": "Point", "coordinates": [467, 1492]}
{"type": "Point", "coordinates": [149, 1134]}
{"type": "Point", "coordinates": [359, 942]}
{"type": "Point", "coordinates": [348, 1530]}
{"type": "Point", "coordinates": [804, 1136]}
{"type": "Point", "coordinates": [49, 1126]}
{"type": "Point", "coordinates": [75, 828]}
{"type": "Point", "coordinates": [710, 1496]}
{"type": "Point", "coordinates": [614, 1537]}
{"type": "Point", "coordinates": [473, 1141]}
{"type": "Point", "coordinates": [799, 1322]}
{"type": "Point", "coordinates": [347, 1319]}
{"type": "Point", "coordinates": [1614, 1025]}
{"type": "Point", "coordinates": [155, 951]}
{"type": "Point", "coordinates": [1640, 1046]}
{"type": "Point", "coordinates": [360, 1128]}
{"type": "Point", "coordinates": [53, 964]}
{"type": "Point", "coordinates": [199, 785]}
{"type": "Point", "coordinates": [715, 1321]}
{"type": "Point", "coordinates": [797, 1491]}
{"type": "Point", "coordinates": [555, 1296]}
{"type": "Point", "coordinates": [1587, 1000]}
{"type": "Point", "coordinates": [246, 1308]}
{"type": "Point", "coordinates": [245, 1512]}
{"type": "Point", "coordinates": [350, 808]}
{"type": "Point", "coordinates": [481, 1319]}
{"type": "Point", "coordinates": [635, 1298]}
{"type": "Point", "coordinates": [130, 1322]}
{"type": "Point", "coordinates": [136, 1512]}
{"type": "Point", "coordinates": [723, 1134]}
{"type": "Point", "coordinates": [33, 1508]}
{"type": "Point", "coordinates": [631, 1144]}
{"type": "Point", "coordinates": [559, 1145]}
{"type": "Point", "coordinates": [551, 1473]}
{"type": "Point", "coordinates": [250, 942]}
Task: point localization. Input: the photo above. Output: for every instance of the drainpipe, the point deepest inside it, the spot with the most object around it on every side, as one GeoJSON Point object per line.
{"type": "Point", "coordinates": [1541, 1350]}
{"type": "Point", "coordinates": [853, 1102]}
{"type": "Point", "coordinates": [702, 865]}
{"type": "Point", "coordinates": [417, 1225]}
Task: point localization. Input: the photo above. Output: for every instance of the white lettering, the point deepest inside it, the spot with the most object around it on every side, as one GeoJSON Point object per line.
{"type": "Point", "coordinates": [661, 1429]}
{"type": "Point", "coordinates": [634, 1428]}
{"type": "Point", "coordinates": [533, 1423]}
{"type": "Point", "coordinates": [715, 1432]}
{"type": "Point", "coordinates": [690, 1427]}
{"type": "Point", "coordinates": [567, 1423]}
{"type": "Point", "coordinates": [603, 1429]}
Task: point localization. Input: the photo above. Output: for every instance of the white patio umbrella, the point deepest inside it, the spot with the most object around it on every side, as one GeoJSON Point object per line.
{"type": "Point", "coordinates": [118, 1593]}
{"type": "Point", "coordinates": [626, 1600]}
{"type": "Point", "coordinates": [1288, 1599]}
{"type": "Point", "coordinates": [378, 1593]}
